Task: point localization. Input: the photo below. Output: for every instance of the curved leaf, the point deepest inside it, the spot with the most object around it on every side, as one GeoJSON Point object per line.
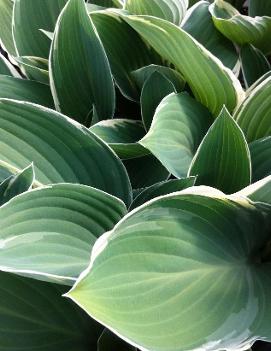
{"type": "Point", "coordinates": [162, 188]}
{"type": "Point", "coordinates": [35, 68]}
{"type": "Point", "coordinates": [254, 114]}
{"type": "Point", "coordinates": [259, 8]}
{"type": "Point", "coordinates": [25, 90]}
{"type": "Point", "coordinates": [170, 10]}
{"type": "Point", "coordinates": [211, 82]}
{"type": "Point", "coordinates": [158, 278]}
{"type": "Point", "coordinates": [254, 64]}
{"type": "Point", "coordinates": [16, 184]}
{"type": "Point", "coordinates": [125, 49]}
{"type": "Point", "coordinates": [199, 24]}
{"type": "Point", "coordinates": [76, 215]}
{"type": "Point", "coordinates": [78, 59]}
{"type": "Point", "coordinates": [259, 191]}
{"type": "Point", "coordinates": [260, 157]}
{"type": "Point", "coordinates": [223, 159]}
{"type": "Point", "coordinates": [178, 126]}
{"type": "Point", "coordinates": [155, 88]}
{"type": "Point", "coordinates": [5, 66]}
{"type": "Point", "coordinates": [29, 17]}
{"type": "Point", "coordinates": [122, 136]}
{"type": "Point", "coordinates": [6, 39]}
{"type": "Point", "coordinates": [61, 149]}
{"type": "Point", "coordinates": [34, 316]}
{"type": "Point", "coordinates": [241, 29]}
{"type": "Point", "coordinates": [107, 3]}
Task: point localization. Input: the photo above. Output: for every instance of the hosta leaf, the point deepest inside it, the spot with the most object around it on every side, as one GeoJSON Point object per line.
{"type": "Point", "coordinates": [61, 149]}
{"type": "Point", "coordinates": [78, 58]}
{"type": "Point", "coordinates": [107, 3]}
{"type": "Point", "coordinates": [109, 341]}
{"type": "Point", "coordinates": [5, 66]}
{"type": "Point", "coordinates": [239, 28]}
{"type": "Point", "coordinates": [6, 172]}
{"type": "Point", "coordinates": [145, 171]}
{"type": "Point", "coordinates": [254, 64]}
{"type": "Point", "coordinates": [254, 114]}
{"type": "Point", "coordinates": [170, 10]}
{"type": "Point", "coordinates": [16, 184]}
{"type": "Point", "coordinates": [35, 68]}
{"type": "Point", "coordinates": [141, 75]}
{"type": "Point", "coordinates": [156, 87]}
{"type": "Point", "coordinates": [260, 156]}
{"type": "Point", "coordinates": [162, 188]}
{"type": "Point", "coordinates": [259, 8]}
{"type": "Point", "coordinates": [122, 135]}
{"type": "Point", "coordinates": [259, 191]}
{"type": "Point", "coordinates": [34, 316]}
{"type": "Point", "coordinates": [158, 278]}
{"type": "Point", "coordinates": [6, 39]}
{"type": "Point", "coordinates": [178, 126]}
{"type": "Point", "coordinates": [76, 215]}
{"type": "Point", "coordinates": [223, 159]}
{"type": "Point", "coordinates": [200, 25]}
{"type": "Point", "coordinates": [25, 90]}
{"type": "Point", "coordinates": [211, 82]}
{"type": "Point", "coordinates": [29, 17]}
{"type": "Point", "coordinates": [125, 49]}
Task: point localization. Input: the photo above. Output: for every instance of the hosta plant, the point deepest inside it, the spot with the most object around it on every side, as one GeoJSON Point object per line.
{"type": "Point", "coordinates": [135, 175]}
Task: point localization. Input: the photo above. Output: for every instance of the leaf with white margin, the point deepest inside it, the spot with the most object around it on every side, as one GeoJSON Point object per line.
{"type": "Point", "coordinates": [260, 151]}
{"type": "Point", "coordinates": [158, 278]}
{"type": "Point", "coordinates": [61, 149]}
{"type": "Point", "coordinates": [254, 114]}
{"type": "Point", "coordinates": [80, 75]}
{"type": "Point", "coordinates": [108, 341]}
{"type": "Point", "coordinates": [169, 10]}
{"type": "Point", "coordinates": [6, 67]}
{"type": "Point", "coordinates": [35, 68]}
{"type": "Point", "coordinates": [16, 184]}
{"type": "Point", "coordinates": [241, 29]}
{"type": "Point", "coordinates": [122, 135]}
{"type": "Point", "coordinates": [212, 83]}
{"type": "Point", "coordinates": [259, 191]}
{"type": "Point", "coordinates": [223, 158]}
{"type": "Point", "coordinates": [6, 38]}
{"type": "Point", "coordinates": [34, 316]}
{"type": "Point", "coordinates": [48, 233]}
{"type": "Point", "coordinates": [178, 126]}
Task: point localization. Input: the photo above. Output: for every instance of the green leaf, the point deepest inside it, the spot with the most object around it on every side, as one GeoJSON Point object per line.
{"type": "Point", "coordinates": [61, 149]}
{"type": "Point", "coordinates": [6, 67]}
{"type": "Point", "coordinates": [254, 114]}
{"type": "Point", "coordinates": [35, 68]}
{"type": "Point", "coordinates": [259, 191]}
{"type": "Point", "coordinates": [170, 10]}
{"type": "Point", "coordinates": [259, 8]}
{"type": "Point", "coordinates": [178, 126]}
{"type": "Point", "coordinates": [260, 157]}
{"type": "Point", "coordinates": [223, 158]}
{"type": "Point", "coordinates": [109, 341]}
{"type": "Point", "coordinates": [122, 135]}
{"type": "Point", "coordinates": [78, 58]}
{"type": "Point", "coordinates": [34, 316]}
{"type": "Point", "coordinates": [200, 25]}
{"type": "Point", "coordinates": [211, 82]}
{"type": "Point", "coordinates": [183, 272]}
{"type": "Point", "coordinates": [145, 171]}
{"type": "Point", "coordinates": [16, 184]}
{"type": "Point", "coordinates": [125, 49]}
{"type": "Point", "coordinates": [29, 17]}
{"type": "Point", "coordinates": [107, 3]}
{"type": "Point", "coordinates": [241, 29]}
{"type": "Point", "coordinates": [162, 188]}
{"type": "Point", "coordinates": [254, 64]}
{"type": "Point", "coordinates": [5, 171]}
{"type": "Point", "coordinates": [25, 90]}
{"type": "Point", "coordinates": [63, 235]}
{"type": "Point", "coordinates": [141, 75]}
{"type": "Point", "coordinates": [6, 39]}
{"type": "Point", "coordinates": [156, 87]}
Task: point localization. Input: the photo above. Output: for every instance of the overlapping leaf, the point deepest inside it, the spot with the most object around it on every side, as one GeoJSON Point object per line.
{"type": "Point", "coordinates": [35, 68]}
{"type": "Point", "coordinates": [260, 157]}
{"type": "Point", "coordinates": [259, 191]}
{"type": "Point", "coordinates": [80, 75]}
{"type": "Point", "coordinates": [61, 149]}
{"type": "Point", "coordinates": [6, 39]}
{"type": "Point", "coordinates": [223, 159]}
{"type": "Point", "coordinates": [5, 66]}
{"type": "Point", "coordinates": [178, 126]}
{"type": "Point", "coordinates": [158, 279]}
{"type": "Point", "coordinates": [211, 82]}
